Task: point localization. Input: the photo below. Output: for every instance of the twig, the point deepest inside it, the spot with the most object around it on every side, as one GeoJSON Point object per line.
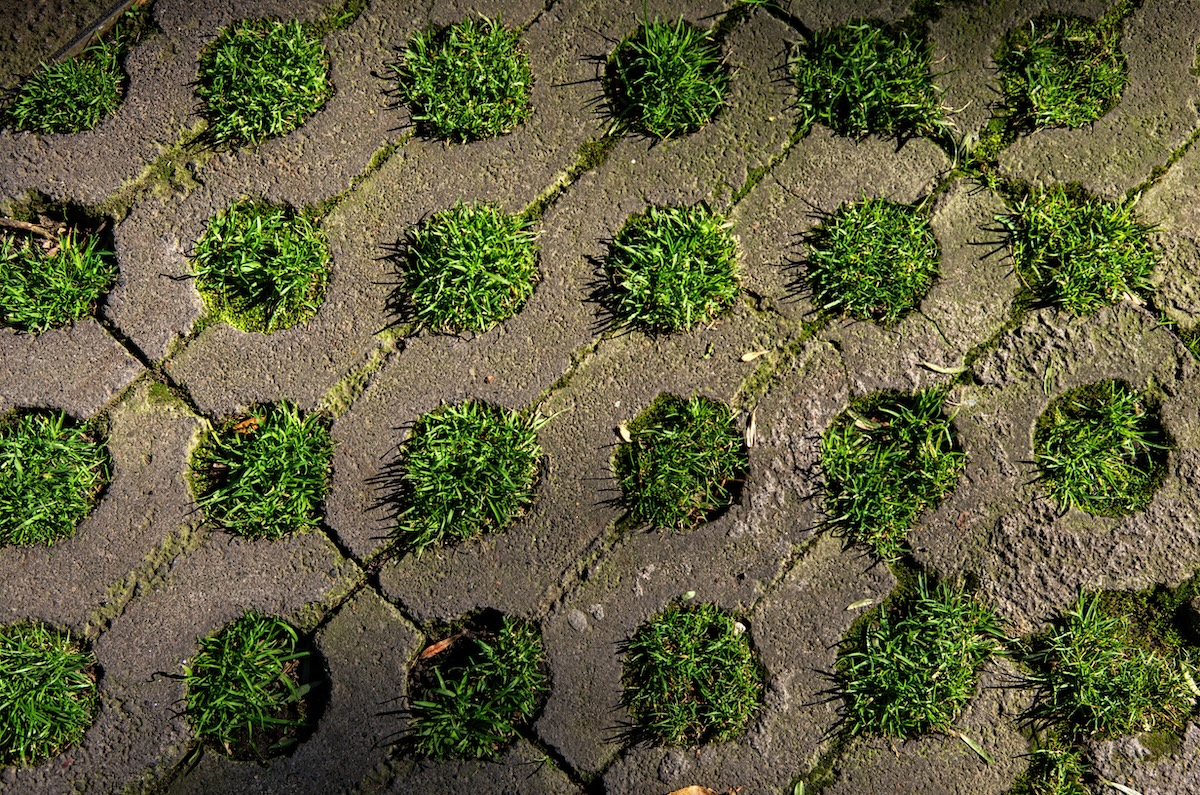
{"type": "Point", "coordinates": [28, 227]}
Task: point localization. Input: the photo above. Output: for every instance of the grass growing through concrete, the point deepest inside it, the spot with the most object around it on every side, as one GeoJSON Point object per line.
{"type": "Point", "coordinates": [886, 459]}
{"type": "Point", "coordinates": [684, 460]}
{"type": "Point", "coordinates": [666, 79]}
{"type": "Point", "coordinates": [467, 81]}
{"type": "Point", "coordinates": [261, 267]}
{"type": "Point", "coordinates": [1098, 674]}
{"type": "Point", "coordinates": [672, 268]}
{"type": "Point", "coordinates": [468, 268]}
{"type": "Point", "coordinates": [1055, 770]}
{"type": "Point", "coordinates": [911, 670]}
{"type": "Point", "coordinates": [690, 677]}
{"type": "Point", "coordinates": [1060, 72]}
{"type": "Point", "coordinates": [51, 473]}
{"type": "Point", "coordinates": [70, 96]}
{"type": "Point", "coordinates": [472, 692]}
{"type": "Point", "coordinates": [866, 78]}
{"type": "Point", "coordinates": [48, 281]}
{"type": "Point", "coordinates": [872, 260]}
{"type": "Point", "coordinates": [47, 691]}
{"type": "Point", "coordinates": [261, 78]}
{"type": "Point", "coordinates": [264, 475]}
{"type": "Point", "coordinates": [1078, 252]}
{"type": "Point", "coordinates": [1100, 448]}
{"type": "Point", "coordinates": [465, 470]}
{"type": "Point", "coordinates": [247, 688]}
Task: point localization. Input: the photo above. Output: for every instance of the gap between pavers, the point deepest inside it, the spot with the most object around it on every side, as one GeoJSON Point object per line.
{"type": "Point", "coordinates": [366, 646]}
{"type": "Point", "coordinates": [795, 630]}
{"type": "Point", "coordinates": [522, 769]}
{"type": "Point", "coordinates": [146, 502]}
{"type": "Point", "coordinates": [1129, 763]}
{"type": "Point", "coordinates": [1001, 526]}
{"type": "Point", "coordinates": [513, 363]}
{"type": "Point", "coordinates": [1156, 114]}
{"type": "Point", "coordinates": [1174, 206]}
{"type": "Point", "coordinates": [78, 368]}
{"type": "Point", "coordinates": [140, 734]}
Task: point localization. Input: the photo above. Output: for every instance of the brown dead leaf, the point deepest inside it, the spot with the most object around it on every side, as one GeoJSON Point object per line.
{"type": "Point", "coordinates": [439, 647]}
{"type": "Point", "coordinates": [623, 430]}
{"type": "Point", "coordinates": [248, 425]}
{"type": "Point", "coordinates": [695, 789]}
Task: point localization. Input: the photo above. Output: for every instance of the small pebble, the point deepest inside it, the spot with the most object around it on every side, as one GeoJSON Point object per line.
{"type": "Point", "coordinates": [577, 620]}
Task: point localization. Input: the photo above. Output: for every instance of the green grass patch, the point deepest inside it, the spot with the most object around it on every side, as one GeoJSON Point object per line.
{"type": "Point", "coordinates": [910, 670]}
{"type": "Point", "coordinates": [264, 475]}
{"type": "Point", "coordinates": [884, 460]}
{"type": "Point", "coordinates": [52, 471]}
{"type": "Point", "coordinates": [685, 460]}
{"type": "Point", "coordinates": [1060, 71]}
{"type": "Point", "coordinates": [666, 79]}
{"type": "Point", "coordinates": [47, 693]}
{"type": "Point", "coordinates": [1100, 448]}
{"type": "Point", "coordinates": [472, 692]}
{"type": "Point", "coordinates": [49, 280]}
{"type": "Point", "coordinates": [1056, 769]}
{"type": "Point", "coordinates": [467, 81]}
{"type": "Point", "coordinates": [872, 260]}
{"type": "Point", "coordinates": [248, 688]}
{"type": "Point", "coordinates": [72, 95]}
{"type": "Point", "coordinates": [691, 677]}
{"type": "Point", "coordinates": [261, 78]}
{"type": "Point", "coordinates": [468, 268]}
{"type": "Point", "coordinates": [1078, 252]}
{"type": "Point", "coordinates": [1100, 673]}
{"type": "Point", "coordinates": [673, 268]}
{"type": "Point", "coordinates": [866, 78]}
{"type": "Point", "coordinates": [261, 267]}
{"type": "Point", "coordinates": [464, 470]}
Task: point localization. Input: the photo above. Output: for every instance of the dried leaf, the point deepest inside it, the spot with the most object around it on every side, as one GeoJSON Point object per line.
{"type": "Point", "coordinates": [439, 647]}
{"type": "Point", "coordinates": [860, 604]}
{"type": "Point", "coordinates": [750, 356]}
{"type": "Point", "coordinates": [695, 789]}
{"type": "Point", "coordinates": [248, 425]}
{"type": "Point", "coordinates": [937, 368]}
{"type": "Point", "coordinates": [623, 430]}
{"type": "Point", "coordinates": [1119, 787]}
{"type": "Point", "coordinates": [751, 427]}
{"type": "Point", "coordinates": [977, 748]}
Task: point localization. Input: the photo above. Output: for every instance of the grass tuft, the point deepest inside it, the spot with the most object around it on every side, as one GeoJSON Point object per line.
{"type": "Point", "coordinates": [911, 670]}
{"type": "Point", "coordinates": [261, 267]}
{"type": "Point", "coordinates": [1060, 72]}
{"type": "Point", "coordinates": [47, 284]}
{"type": "Point", "coordinates": [667, 79]}
{"type": "Point", "coordinates": [70, 96]}
{"type": "Point", "coordinates": [248, 687]}
{"type": "Point", "coordinates": [1054, 770]}
{"type": "Point", "coordinates": [684, 461]}
{"type": "Point", "coordinates": [471, 699]}
{"type": "Point", "coordinates": [48, 693]}
{"type": "Point", "coordinates": [261, 78]}
{"type": "Point", "coordinates": [467, 81]}
{"type": "Point", "coordinates": [264, 475]}
{"type": "Point", "coordinates": [51, 473]}
{"type": "Point", "coordinates": [1095, 677]}
{"type": "Point", "coordinates": [465, 470]}
{"type": "Point", "coordinates": [1101, 449]}
{"type": "Point", "coordinates": [468, 268]}
{"type": "Point", "coordinates": [1077, 252]}
{"type": "Point", "coordinates": [865, 78]}
{"type": "Point", "coordinates": [673, 268]}
{"type": "Point", "coordinates": [886, 459]}
{"type": "Point", "coordinates": [872, 260]}
{"type": "Point", "coordinates": [691, 677]}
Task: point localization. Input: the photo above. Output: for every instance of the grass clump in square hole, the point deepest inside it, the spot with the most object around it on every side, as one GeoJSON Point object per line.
{"type": "Point", "coordinates": [265, 474]}
{"type": "Point", "coordinates": [666, 79]}
{"type": "Point", "coordinates": [911, 669]}
{"type": "Point", "coordinates": [473, 691]}
{"type": "Point", "coordinates": [261, 78]}
{"type": "Point", "coordinates": [866, 78]}
{"type": "Point", "coordinates": [261, 267]}
{"type": "Point", "coordinates": [467, 81]}
{"type": "Point", "coordinates": [467, 268]}
{"type": "Point", "coordinates": [1060, 72]}
{"type": "Point", "coordinates": [52, 472]}
{"type": "Point", "coordinates": [873, 259]}
{"type": "Point", "coordinates": [884, 460]}
{"type": "Point", "coordinates": [47, 690]}
{"type": "Point", "coordinates": [1078, 252]}
{"type": "Point", "coordinates": [673, 268]}
{"type": "Point", "coordinates": [1113, 664]}
{"type": "Point", "coordinates": [1101, 448]}
{"type": "Point", "coordinates": [52, 274]}
{"type": "Point", "coordinates": [691, 677]}
{"type": "Point", "coordinates": [1056, 769]}
{"type": "Point", "coordinates": [249, 688]}
{"type": "Point", "coordinates": [464, 470]}
{"type": "Point", "coordinates": [684, 462]}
